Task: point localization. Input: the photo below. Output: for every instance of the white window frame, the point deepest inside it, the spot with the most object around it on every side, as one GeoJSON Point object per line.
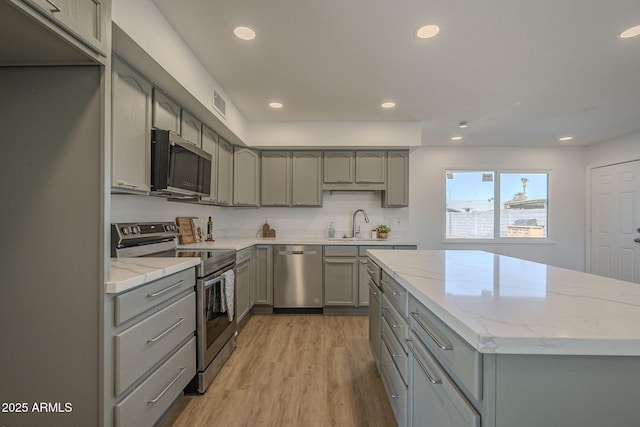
{"type": "Point", "coordinates": [497, 239]}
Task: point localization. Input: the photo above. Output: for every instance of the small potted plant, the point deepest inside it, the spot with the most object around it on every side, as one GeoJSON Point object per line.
{"type": "Point", "coordinates": [383, 231]}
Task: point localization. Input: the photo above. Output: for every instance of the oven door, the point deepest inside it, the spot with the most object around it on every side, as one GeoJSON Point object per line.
{"type": "Point", "coordinates": [213, 325]}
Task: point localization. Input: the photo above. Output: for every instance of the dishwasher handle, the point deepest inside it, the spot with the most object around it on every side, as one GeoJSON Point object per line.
{"type": "Point", "coordinates": [297, 252]}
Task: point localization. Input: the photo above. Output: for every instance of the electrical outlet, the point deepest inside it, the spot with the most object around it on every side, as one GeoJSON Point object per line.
{"type": "Point", "coordinates": [395, 222]}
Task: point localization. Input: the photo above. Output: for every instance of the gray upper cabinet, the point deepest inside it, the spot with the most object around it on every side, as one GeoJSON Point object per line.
{"type": "Point", "coordinates": [339, 167]}
{"type": "Point", "coordinates": [371, 167]}
{"type": "Point", "coordinates": [397, 192]}
{"type": "Point", "coordinates": [307, 178]}
{"type": "Point", "coordinates": [131, 130]}
{"type": "Point", "coordinates": [210, 145]}
{"type": "Point", "coordinates": [84, 19]}
{"type": "Point", "coordinates": [276, 178]}
{"type": "Point", "coordinates": [225, 173]}
{"type": "Point", "coordinates": [191, 128]}
{"type": "Point", "coordinates": [166, 113]}
{"type": "Point", "coordinates": [246, 177]}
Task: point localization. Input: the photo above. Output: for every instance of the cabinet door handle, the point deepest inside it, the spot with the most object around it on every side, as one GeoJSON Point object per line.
{"type": "Point", "coordinates": [432, 379]}
{"type": "Point", "coordinates": [171, 328]}
{"type": "Point", "coordinates": [395, 396]}
{"type": "Point", "coordinates": [384, 282]}
{"type": "Point", "coordinates": [159, 396]}
{"type": "Point", "coordinates": [445, 346]}
{"type": "Point", "coordinates": [167, 289]}
{"type": "Point", "coordinates": [55, 7]}
{"type": "Point", "coordinates": [127, 184]}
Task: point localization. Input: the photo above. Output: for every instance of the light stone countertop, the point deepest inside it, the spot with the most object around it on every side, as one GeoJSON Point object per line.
{"type": "Point", "coordinates": [505, 305]}
{"type": "Point", "coordinates": [128, 273]}
{"type": "Point", "coordinates": [238, 243]}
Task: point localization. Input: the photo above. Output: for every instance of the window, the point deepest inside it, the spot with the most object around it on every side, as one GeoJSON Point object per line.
{"type": "Point", "coordinates": [487, 205]}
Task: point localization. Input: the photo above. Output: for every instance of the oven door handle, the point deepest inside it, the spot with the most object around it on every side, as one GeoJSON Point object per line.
{"type": "Point", "coordinates": [210, 283]}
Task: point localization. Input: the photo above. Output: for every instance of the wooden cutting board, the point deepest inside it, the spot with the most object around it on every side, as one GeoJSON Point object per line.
{"type": "Point", "coordinates": [185, 229]}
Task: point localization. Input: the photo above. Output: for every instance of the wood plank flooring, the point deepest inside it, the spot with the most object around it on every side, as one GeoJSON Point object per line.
{"type": "Point", "coordinates": [294, 370]}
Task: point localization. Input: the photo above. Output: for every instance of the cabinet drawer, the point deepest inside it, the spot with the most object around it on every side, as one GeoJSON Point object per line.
{"type": "Point", "coordinates": [396, 389]}
{"type": "Point", "coordinates": [374, 271]}
{"type": "Point", "coordinates": [398, 324]}
{"type": "Point", "coordinates": [137, 301]}
{"type": "Point", "coordinates": [362, 250]}
{"type": "Point", "coordinates": [341, 251]}
{"type": "Point", "coordinates": [140, 347]}
{"type": "Point", "coordinates": [396, 293]}
{"type": "Point", "coordinates": [398, 353]}
{"type": "Point", "coordinates": [435, 396]}
{"type": "Point", "coordinates": [243, 255]}
{"type": "Point", "coordinates": [460, 360]}
{"type": "Point", "coordinates": [146, 404]}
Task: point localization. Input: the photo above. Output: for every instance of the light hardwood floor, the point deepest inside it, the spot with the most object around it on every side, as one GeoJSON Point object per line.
{"type": "Point", "coordinates": [294, 370]}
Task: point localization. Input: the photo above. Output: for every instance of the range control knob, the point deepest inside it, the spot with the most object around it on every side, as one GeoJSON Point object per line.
{"type": "Point", "coordinates": [135, 229]}
{"type": "Point", "coordinates": [126, 230]}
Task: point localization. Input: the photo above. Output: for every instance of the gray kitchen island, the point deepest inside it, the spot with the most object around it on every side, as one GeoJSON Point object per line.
{"type": "Point", "coordinates": [470, 338]}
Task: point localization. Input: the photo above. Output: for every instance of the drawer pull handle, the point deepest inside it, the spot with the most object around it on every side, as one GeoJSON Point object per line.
{"type": "Point", "coordinates": [446, 346]}
{"type": "Point", "coordinates": [430, 377]}
{"type": "Point", "coordinates": [173, 381]}
{"type": "Point", "coordinates": [384, 282]}
{"type": "Point", "coordinates": [171, 328]}
{"type": "Point", "coordinates": [55, 7]}
{"type": "Point", "coordinates": [395, 396]}
{"type": "Point", "coordinates": [167, 289]}
{"type": "Point", "coordinates": [395, 356]}
{"type": "Point", "coordinates": [369, 270]}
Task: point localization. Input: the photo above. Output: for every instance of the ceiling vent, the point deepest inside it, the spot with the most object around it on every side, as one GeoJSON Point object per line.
{"type": "Point", "coordinates": [219, 102]}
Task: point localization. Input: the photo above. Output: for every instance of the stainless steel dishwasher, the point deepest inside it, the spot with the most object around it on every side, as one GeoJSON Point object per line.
{"type": "Point", "coordinates": [297, 277]}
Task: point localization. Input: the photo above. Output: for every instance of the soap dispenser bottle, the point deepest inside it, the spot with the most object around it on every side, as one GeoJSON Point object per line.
{"type": "Point", "coordinates": [332, 232]}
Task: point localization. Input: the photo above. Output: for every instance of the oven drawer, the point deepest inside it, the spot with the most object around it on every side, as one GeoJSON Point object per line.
{"type": "Point", "coordinates": [140, 347]}
{"type": "Point", "coordinates": [146, 404]}
{"type": "Point", "coordinates": [130, 304]}
{"type": "Point", "coordinates": [396, 293]}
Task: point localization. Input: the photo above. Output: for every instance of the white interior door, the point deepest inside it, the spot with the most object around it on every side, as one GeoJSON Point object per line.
{"type": "Point", "coordinates": [615, 221]}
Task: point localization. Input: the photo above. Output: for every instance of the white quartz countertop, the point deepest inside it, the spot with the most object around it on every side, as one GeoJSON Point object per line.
{"type": "Point", "coordinates": [239, 243]}
{"type": "Point", "coordinates": [500, 304]}
{"type": "Point", "coordinates": [128, 273]}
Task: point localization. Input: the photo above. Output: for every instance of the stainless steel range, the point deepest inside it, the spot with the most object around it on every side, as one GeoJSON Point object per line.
{"type": "Point", "coordinates": [216, 322]}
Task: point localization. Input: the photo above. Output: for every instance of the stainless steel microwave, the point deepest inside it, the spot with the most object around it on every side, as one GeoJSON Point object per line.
{"type": "Point", "coordinates": [178, 167]}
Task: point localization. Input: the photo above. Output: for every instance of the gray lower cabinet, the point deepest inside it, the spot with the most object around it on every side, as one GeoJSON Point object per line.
{"type": "Point", "coordinates": [396, 194]}
{"type": "Point", "coordinates": [276, 178]}
{"type": "Point", "coordinates": [363, 282]}
{"type": "Point", "coordinates": [210, 145]}
{"type": "Point", "coordinates": [131, 130]}
{"type": "Point", "coordinates": [340, 281]}
{"type": "Point", "coordinates": [84, 19]}
{"type": "Point", "coordinates": [166, 113]}
{"type": "Point", "coordinates": [225, 173]}
{"type": "Point", "coordinates": [244, 282]}
{"type": "Point", "coordinates": [150, 348]}
{"type": "Point", "coordinates": [375, 317]}
{"type": "Point", "coordinates": [246, 177]}
{"type": "Point", "coordinates": [264, 274]}
{"type": "Point", "coordinates": [306, 184]}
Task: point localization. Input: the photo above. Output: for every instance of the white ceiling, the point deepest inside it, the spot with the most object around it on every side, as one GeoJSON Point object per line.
{"type": "Point", "coordinates": [521, 72]}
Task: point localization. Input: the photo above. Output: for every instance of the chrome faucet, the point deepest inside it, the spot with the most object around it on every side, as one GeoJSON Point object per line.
{"type": "Point", "coordinates": [366, 219]}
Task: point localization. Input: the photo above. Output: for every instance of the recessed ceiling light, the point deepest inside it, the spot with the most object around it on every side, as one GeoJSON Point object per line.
{"type": "Point", "coordinates": [275, 105]}
{"type": "Point", "coordinates": [427, 31]}
{"type": "Point", "coordinates": [630, 32]}
{"type": "Point", "coordinates": [463, 125]}
{"type": "Point", "coordinates": [244, 33]}
{"type": "Point", "coordinates": [388, 104]}
{"type": "Point", "coordinates": [566, 138]}
{"type": "Point", "coordinates": [456, 138]}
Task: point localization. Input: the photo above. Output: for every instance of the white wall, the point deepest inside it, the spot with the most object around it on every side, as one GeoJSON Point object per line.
{"type": "Point", "coordinates": [288, 222]}
{"type": "Point", "coordinates": [334, 134]}
{"type": "Point", "coordinates": [566, 198]}
{"type": "Point", "coordinates": [623, 149]}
